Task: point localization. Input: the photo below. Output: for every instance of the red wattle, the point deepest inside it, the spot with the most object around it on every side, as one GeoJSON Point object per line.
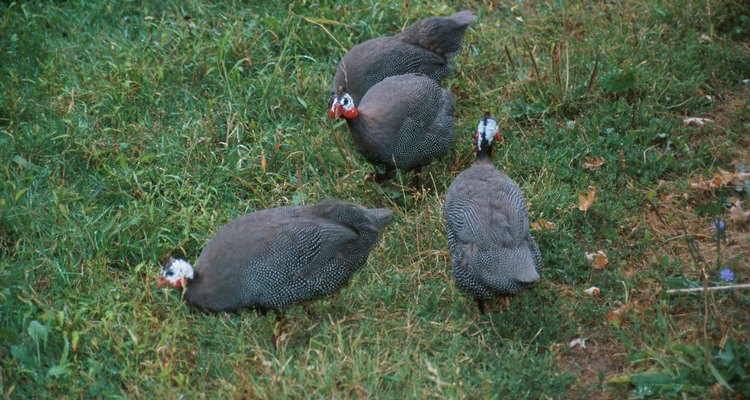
{"type": "Point", "coordinates": [161, 281]}
{"type": "Point", "coordinates": [351, 113]}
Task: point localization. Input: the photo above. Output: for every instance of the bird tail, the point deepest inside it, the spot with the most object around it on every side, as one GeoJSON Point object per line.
{"type": "Point", "coordinates": [441, 35]}
{"type": "Point", "coordinates": [380, 217]}
{"type": "Point", "coordinates": [500, 267]}
{"type": "Point", "coordinates": [526, 275]}
{"type": "Point", "coordinates": [358, 218]}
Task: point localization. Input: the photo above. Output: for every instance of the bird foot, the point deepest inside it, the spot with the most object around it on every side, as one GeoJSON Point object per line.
{"type": "Point", "coordinates": [480, 306]}
{"type": "Point", "coordinates": [416, 182]}
{"type": "Point", "coordinates": [278, 331]}
{"type": "Point", "coordinates": [378, 178]}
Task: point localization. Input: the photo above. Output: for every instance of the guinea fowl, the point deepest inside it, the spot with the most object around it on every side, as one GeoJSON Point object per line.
{"type": "Point", "coordinates": [492, 251]}
{"type": "Point", "coordinates": [404, 121]}
{"type": "Point", "coordinates": [274, 258]}
{"type": "Point", "coordinates": [426, 47]}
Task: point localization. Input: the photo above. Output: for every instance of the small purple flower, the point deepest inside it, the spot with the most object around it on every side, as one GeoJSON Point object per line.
{"type": "Point", "coordinates": [726, 274]}
{"type": "Point", "coordinates": [720, 225]}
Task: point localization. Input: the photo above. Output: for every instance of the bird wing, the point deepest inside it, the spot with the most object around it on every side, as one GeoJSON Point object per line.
{"type": "Point", "coordinates": [536, 254]}
{"type": "Point", "coordinates": [312, 243]}
{"type": "Point", "coordinates": [487, 209]}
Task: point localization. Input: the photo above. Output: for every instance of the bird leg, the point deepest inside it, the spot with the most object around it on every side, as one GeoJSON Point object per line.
{"type": "Point", "coordinates": [417, 180]}
{"type": "Point", "coordinates": [307, 306]}
{"type": "Point", "coordinates": [278, 330]}
{"type": "Point", "coordinates": [480, 305]}
{"type": "Point", "coordinates": [389, 173]}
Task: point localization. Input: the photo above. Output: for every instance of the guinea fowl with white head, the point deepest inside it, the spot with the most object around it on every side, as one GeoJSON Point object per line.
{"type": "Point", "coordinates": [404, 122]}
{"type": "Point", "coordinates": [492, 251]}
{"type": "Point", "coordinates": [271, 259]}
{"type": "Point", "coordinates": [426, 47]}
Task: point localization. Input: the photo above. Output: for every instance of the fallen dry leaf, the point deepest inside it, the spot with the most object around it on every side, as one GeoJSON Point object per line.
{"type": "Point", "coordinates": [627, 273]}
{"type": "Point", "coordinates": [705, 39]}
{"type": "Point", "coordinates": [542, 225]}
{"type": "Point", "coordinates": [696, 121]}
{"type": "Point", "coordinates": [738, 215]}
{"type": "Point", "coordinates": [721, 179]}
{"type": "Point", "coordinates": [263, 162]}
{"type": "Point", "coordinates": [739, 178]}
{"type": "Point", "coordinates": [578, 342]}
{"type": "Point", "coordinates": [614, 317]}
{"type": "Point", "coordinates": [592, 291]}
{"type": "Point", "coordinates": [598, 260]}
{"type": "Point", "coordinates": [585, 201]}
{"type": "Point", "coordinates": [593, 163]}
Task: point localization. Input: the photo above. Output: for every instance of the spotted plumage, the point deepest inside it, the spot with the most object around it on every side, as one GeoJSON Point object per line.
{"type": "Point", "coordinates": [492, 251]}
{"type": "Point", "coordinates": [274, 258]}
{"type": "Point", "coordinates": [404, 121]}
{"type": "Point", "coordinates": [426, 47]}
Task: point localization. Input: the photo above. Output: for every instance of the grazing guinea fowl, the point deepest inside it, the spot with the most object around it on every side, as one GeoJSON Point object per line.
{"type": "Point", "coordinates": [404, 121]}
{"type": "Point", "coordinates": [492, 252]}
{"type": "Point", "coordinates": [274, 258]}
{"type": "Point", "coordinates": [425, 47]}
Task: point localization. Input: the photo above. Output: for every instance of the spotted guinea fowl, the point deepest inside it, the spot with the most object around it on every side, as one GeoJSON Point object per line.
{"type": "Point", "coordinates": [492, 252]}
{"type": "Point", "coordinates": [426, 47]}
{"type": "Point", "coordinates": [274, 258]}
{"type": "Point", "coordinates": [404, 122]}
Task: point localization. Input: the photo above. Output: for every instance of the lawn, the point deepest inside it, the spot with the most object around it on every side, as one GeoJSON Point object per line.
{"type": "Point", "coordinates": [131, 131]}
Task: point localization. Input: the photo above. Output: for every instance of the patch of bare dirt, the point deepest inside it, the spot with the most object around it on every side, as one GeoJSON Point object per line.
{"type": "Point", "coordinates": [594, 365]}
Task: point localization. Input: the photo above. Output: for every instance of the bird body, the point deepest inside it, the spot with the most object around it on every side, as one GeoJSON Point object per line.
{"type": "Point", "coordinates": [274, 258]}
{"type": "Point", "coordinates": [404, 121]}
{"type": "Point", "coordinates": [492, 251]}
{"type": "Point", "coordinates": [426, 47]}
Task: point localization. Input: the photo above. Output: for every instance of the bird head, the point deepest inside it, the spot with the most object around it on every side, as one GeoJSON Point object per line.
{"type": "Point", "coordinates": [342, 104]}
{"type": "Point", "coordinates": [176, 273]}
{"type": "Point", "coordinates": [487, 131]}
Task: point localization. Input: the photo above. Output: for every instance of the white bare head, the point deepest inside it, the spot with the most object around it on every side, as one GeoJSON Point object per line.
{"type": "Point", "coordinates": [176, 273]}
{"type": "Point", "coordinates": [486, 131]}
{"type": "Point", "coordinates": [342, 105]}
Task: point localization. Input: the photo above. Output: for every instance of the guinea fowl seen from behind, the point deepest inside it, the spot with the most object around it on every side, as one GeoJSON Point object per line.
{"type": "Point", "coordinates": [272, 259]}
{"type": "Point", "coordinates": [404, 122]}
{"type": "Point", "coordinates": [426, 47]}
{"type": "Point", "coordinates": [492, 251]}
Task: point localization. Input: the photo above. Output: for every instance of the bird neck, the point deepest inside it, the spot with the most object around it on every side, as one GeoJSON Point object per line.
{"type": "Point", "coordinates": [484, 150]}
{"type": "Point", "coordinates": [358, 130]}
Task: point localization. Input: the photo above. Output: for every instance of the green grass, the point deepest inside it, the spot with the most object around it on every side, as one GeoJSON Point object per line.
{"type": "Point", "coordinates": [132, 131]}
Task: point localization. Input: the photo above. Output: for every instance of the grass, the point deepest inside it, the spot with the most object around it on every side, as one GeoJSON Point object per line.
{"type": "Point", "coordinates": [132, 131]}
